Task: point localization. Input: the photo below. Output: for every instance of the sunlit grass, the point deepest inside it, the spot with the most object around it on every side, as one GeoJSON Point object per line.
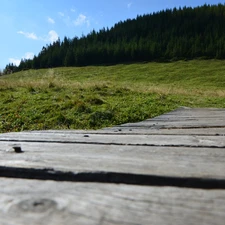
{"type": "Point", "coordinates": [95, 97]}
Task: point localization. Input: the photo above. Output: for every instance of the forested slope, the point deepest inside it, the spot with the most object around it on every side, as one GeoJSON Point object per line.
{"type": "Point", "coordinates": [172, 34]}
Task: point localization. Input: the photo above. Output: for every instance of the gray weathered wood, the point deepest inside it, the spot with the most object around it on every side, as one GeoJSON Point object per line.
{"type": "Point", "coordinates": [163, 161]}
{"type": "Point", "coordinates": [110, 139]}
{"type": "Point", "coordinates": [25, 202]}
{"type": "Point", "coordinates": [163, 131]}
{"type": "Point", "coordinates": [183, 118]}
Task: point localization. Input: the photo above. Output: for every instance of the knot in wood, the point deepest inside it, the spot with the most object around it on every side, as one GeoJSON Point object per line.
{"type": "Point", "coordinates": [36, 205]}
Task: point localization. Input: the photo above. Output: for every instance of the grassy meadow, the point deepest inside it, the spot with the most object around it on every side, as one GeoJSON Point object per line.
{"type": "Point", "coordinates": [99, 96]}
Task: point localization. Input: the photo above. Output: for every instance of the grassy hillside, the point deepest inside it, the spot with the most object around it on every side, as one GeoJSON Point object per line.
{"type": "Point", "coordinates": [100, 96]}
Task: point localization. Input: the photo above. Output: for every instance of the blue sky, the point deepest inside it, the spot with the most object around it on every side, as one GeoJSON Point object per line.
{"type": "Point", "coordinates": [28, 25]}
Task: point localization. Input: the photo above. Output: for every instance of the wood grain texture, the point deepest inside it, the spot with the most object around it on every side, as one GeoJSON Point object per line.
{"type": "Point", "coordinates": [162, 161]}
{"type": "Point", "coordinates": [25, 202]}
{"type": "Point", "coordinates": [113, 139]}
{"type": "Point", "coordinates": [184, 118]}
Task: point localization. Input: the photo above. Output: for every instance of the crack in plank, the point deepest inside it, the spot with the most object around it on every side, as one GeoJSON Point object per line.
{"type": "Point", "coordinates": [113, 143]}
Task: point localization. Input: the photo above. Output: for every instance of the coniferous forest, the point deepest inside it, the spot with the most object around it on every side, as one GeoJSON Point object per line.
{"type": "Point", "coordinates": [171, 34]}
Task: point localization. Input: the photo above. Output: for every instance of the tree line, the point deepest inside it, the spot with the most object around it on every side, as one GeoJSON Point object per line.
{"type": "Point", "coordinates": [171, 34]}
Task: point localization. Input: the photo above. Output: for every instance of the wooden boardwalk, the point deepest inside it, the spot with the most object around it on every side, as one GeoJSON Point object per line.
{"type": "Point", "coordinates": [165, 170]}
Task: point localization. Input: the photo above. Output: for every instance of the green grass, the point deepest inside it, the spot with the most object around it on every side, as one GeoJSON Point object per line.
{"type": "Point", "coordinates": [101, 96]}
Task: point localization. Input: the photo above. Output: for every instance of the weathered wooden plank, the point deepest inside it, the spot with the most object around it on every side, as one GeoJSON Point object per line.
{"type": "Point", "coordinates": [183, 121]}
{"type": "Point", "coordinates": [162, 161]}
{"type": "Point", "coordinates": [159, 124]}
{"type": "Point", "coordinates": [210, 131]}
{"type": "Point", "coordinates": [163, 131]}
{"type": "Point", "coordinates": [194, 113]}
{"type": "Point", "coordinates": [25, 202]}
{"type": "Point", "coordinates": [185, 118]}
{"type": "Point", "coordinates": [178, 124]}
{"type": "Point", "coordinates": [137, 131]}
{"type": "Point", "coordinates": [113, 139]}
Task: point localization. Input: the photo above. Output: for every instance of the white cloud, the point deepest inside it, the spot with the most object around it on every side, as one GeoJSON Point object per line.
{"type": "Point", "coordinates": [28, 35]}
{"type": "Point", "coordinates": [29, 55]}
{"type": "Point", "coordinates": [73, 10]}
{"type": "Point", "coordinates": [129, 5]}
{"type": "Point", "coordinates": [16, 61]}
{"type": "Point", "coordinates": [81, 20]}
{"type": "Point", "coordinates": [52, 36]}
{"type": "Point", "coordinates": [50, 20]}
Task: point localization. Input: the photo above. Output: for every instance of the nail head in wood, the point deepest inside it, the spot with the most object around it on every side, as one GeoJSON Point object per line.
{"type": "Point", "coordinates": [17, 149]}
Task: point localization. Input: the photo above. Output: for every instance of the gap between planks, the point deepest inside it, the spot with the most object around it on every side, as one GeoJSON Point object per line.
{"type": "Point", "coordinates": [112, 177]}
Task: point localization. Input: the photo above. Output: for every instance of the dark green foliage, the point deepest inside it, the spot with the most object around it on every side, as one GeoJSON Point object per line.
{"type": "Point", "coordinates": [170, 34]}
